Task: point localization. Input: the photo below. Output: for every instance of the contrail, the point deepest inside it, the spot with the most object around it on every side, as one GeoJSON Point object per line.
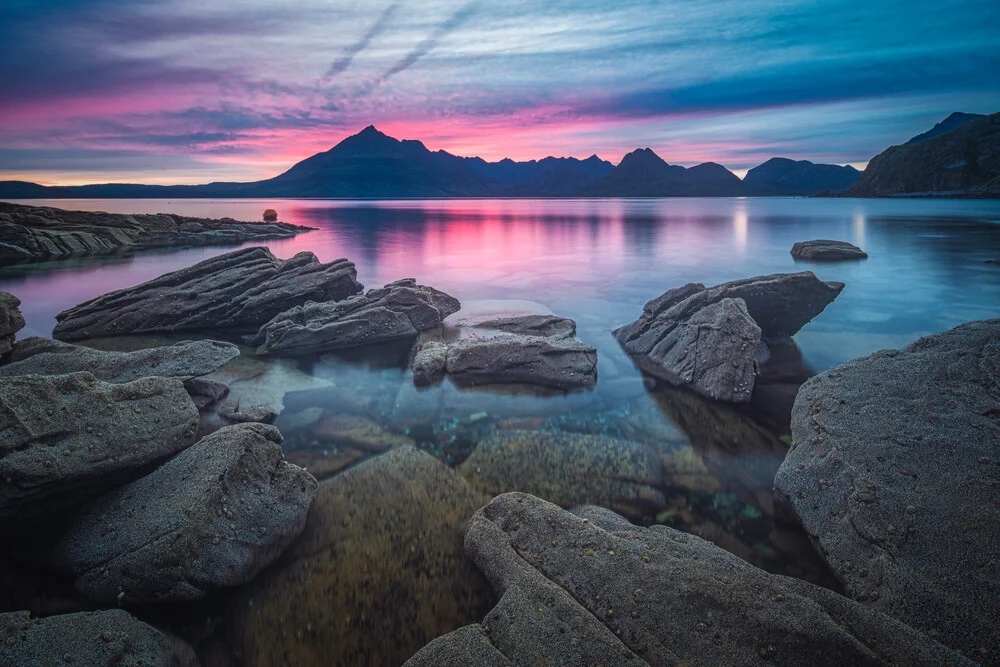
{"type": "Point", "coordinates": [342, 63]}
{"type": "Point", "coordinates": [430, 42]}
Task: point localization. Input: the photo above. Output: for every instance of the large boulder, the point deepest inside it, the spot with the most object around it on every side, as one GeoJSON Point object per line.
{"type": "Point", "coordinates": [895, 473]}
{"type": "Point", "coordinates": [400, 310]}
{"type": "Point", "coordinates": [67, 438]}
{"type": "Point", "coordinates": [241, 290]}
{"type": "Point", "coordinates": [185, 360]}
{"type": "Point", "coordinates": [527, 349]}
{"type": "Point", "coordinates": [11, 321]}
{"type": "Point", "coordinates": [211, 517]}
{"type": "Point", "coordinates": [709, 339]}
{"type": "Point", "coordinates": [589, 588]}
{"type": "Point", "coordinates": [109, 638]}
{"type": "Point", "coordinates": [828, 251]}
{"type": "Point", "coordinates": [378, 572]}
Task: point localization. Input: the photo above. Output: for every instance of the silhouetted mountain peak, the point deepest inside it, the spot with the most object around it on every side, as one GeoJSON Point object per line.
{"type": "Point", "coordinates": [954, 121]}
{"type": "Point", "coordinates": [642, 157]}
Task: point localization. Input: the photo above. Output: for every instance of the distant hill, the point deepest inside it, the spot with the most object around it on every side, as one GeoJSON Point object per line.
{"type": "Point", "coordinates": [790, 177]}
{"type": "Point", "coordinates": [964, 161]}
{"type": "Point", "coordinates": [643, 173]}
{"type": "Point", "coordinates": [551, 176]}
{"type": "Point", "coordinates": [947, 125]}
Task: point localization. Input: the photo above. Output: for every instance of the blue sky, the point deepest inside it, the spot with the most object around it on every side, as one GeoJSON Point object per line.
{"type": "Point", "coordinates": [181, 91]}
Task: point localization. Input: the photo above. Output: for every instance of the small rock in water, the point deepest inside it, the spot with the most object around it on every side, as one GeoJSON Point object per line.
{"type": "Point", "coordinates": [270, 215]}
{"type": "Point", "coordinates": [826, 250]}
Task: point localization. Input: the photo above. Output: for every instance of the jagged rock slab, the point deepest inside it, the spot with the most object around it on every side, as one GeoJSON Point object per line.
{"type": "Point", "coordinates": [239, 290]}
{"type": "Point", "coordinates": [826, 250]}
{"type": "Point", "coordinates": [568, 469]}
{"type": "Point", "coordinates": [378, 572]}
{"type": "Point", "coordinates": [527, 349]}
{"type": "Point", "coordinates": [211, 517]}
{"type": "Point", "coordinates": [589, 588]}
{"type": "Point", "coordinates": [185, 360]}
{"type": "Point", "coordinates": [234, 413]}
{"type": "Point", "coordinates": [38, 233]}
{"type": "Point", "coordinates": [67, 438]}
{"type": "Point", "coordinates": [895, 473]}
{"type": "Point", "coordinates": [95, 638]}
{"type": "Point", "coordinates": [11, 321]}
{"type": "Point", "coordinates": [397, 311]}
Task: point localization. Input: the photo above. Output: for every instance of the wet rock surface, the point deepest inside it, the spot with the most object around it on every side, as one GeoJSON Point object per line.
{"type": "Point", "coordinates": [895, 472]}
{"type": "Point", "coordinates": [184, 360]}
{"type": "Point", "coordinates": [96, 638]}
{"type": "Point", "coordinates": [399, 310]}
{"type": "Point", "coordinates": [211, 517]}
{"type": "Point", "coordinates": [826, 250]}
{"type": "Point", "coordinates": [589, 588]}
{"type": "Point", "coordinates": [11, 321]}
{"type": "Point", "coordinates": [378, 572]}
{"type": "Point", "coordinates": [38, 233]}
{"type": "Point", "coordinates": [67, 438]}
{"type": "Point", "coordinates": [238, 290]}
{"type": "Point", "coordinates": [234, 413]}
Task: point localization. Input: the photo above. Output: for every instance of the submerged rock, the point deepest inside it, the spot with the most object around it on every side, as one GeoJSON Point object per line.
{"type": "Point", "coordinates": [826, 250]}
{"type": "Point", "coordinates": [258, 414]}
{"type": "Point", "coordinates": [185, 360]}
{"type": "Point", "coordinates": [68, 438]}
{"type": "Point", "coordinates": [397, 311]}
{"type": "Point", "coordinates": [109, 638]}
{"type": "Point", "coordinates": [588, 588]}
{"type": "Point", "coordinates": [240, 290]}
{"type": "Point", "coordinates": [568, 469]}
{"type": "Point", "coordinates": [378, 572]}
{"type": "Point", "coordinates": [11, 321]}
{"type": "Point", "coordinates": [212, 517]}
{"type": "Point", "coordinates": [895, 473]}
{"type": "Point", "coordinates": [358, 433]}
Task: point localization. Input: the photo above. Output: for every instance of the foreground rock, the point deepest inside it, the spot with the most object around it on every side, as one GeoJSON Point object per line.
{"type": "Point", "coordinates": [239, 290]}
{"type": "Point", "coordinates": [67, 438]}
{"type": "Point", "coordinates": [709, 339]}
{"type": "Point", "coordinates": [185, 360]}
{"type": "Point", "coordinates": [211, 517]}
{"type": "Point", "coordinates": [590, 588]}
{"type": "Point", "coordinates": [38, 233]}
{"type": "Point", "coordinates": [11, 321]}
{"type": "Point", "coordinates": [378, 572]}
{"type": "Point", "coordinates": [895, 472]}
{"type": "Point", "coordinates": [96, 639]}
{"type": "Point", "coordinates": [826, 250]}
{"type": "Point", "coordinates": [397, 311]}
{"type": "Point", "coordinates": [528, 349]}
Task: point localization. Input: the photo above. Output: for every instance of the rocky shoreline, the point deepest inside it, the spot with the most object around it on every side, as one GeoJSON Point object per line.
{"type": "Point", "coordinates": [129, 476]}
{"type": "Point", "coordinates": [35, 233]}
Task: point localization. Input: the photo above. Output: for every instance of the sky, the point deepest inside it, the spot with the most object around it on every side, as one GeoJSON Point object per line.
{"type": "Point", "coordinates": [193, 91]}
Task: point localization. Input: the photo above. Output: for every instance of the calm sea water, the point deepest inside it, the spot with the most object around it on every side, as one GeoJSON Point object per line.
{"type": "Point", "coordinates": [597, 262]}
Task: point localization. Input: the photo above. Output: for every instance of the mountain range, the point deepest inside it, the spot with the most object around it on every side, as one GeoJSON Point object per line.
{"type": "Point", "coordinates": [373, 165]}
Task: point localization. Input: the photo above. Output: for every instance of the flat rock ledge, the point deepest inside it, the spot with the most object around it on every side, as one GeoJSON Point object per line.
{"type": "Point", "coordinates": [68, 438]}
{"type": "Point", "coordinates": [211, 517]}
{"type": "Point", "coordinates": [185, 360]}
{"type": "Point", "coordinates": [34, 233]}
{"type": "Point", "coordinates": [589, 588]}
{"type": "Point", "coordinates": [711, 339]}
{"type": "Point", "coordinates": [111, 638]}
{"type": "Point", "coordinates": [11, 321]}
{"type": "Point", "coordinates": [528, 349]}
{"type": "Point", "coordinates": [398, 311]}
{"type": "Point", "coordinates": [894, 471]}
{"type": "Point", "coordinates": [239, 290]}
{"type": "Point", "coordinates": [827, 251]}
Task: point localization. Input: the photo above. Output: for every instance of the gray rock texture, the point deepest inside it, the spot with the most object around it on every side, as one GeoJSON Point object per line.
{"type": "Point", "coordinates": [38, 233]}
{"type": "Point", "coordinates": [430, 363]}
{"type": "Point", "coordinates": [589, 588]}
{"type": "Point", "coordinates": [205, 393]}
{"type": "Point", "coordinates": [240, 290]}
{"type": "Point", "coordinates": [11, 321]}
{"type": "Point", "coordinates": [397, 311]}
{"type": "Point", "coordinates": [112, 638]}
{"type": "Point", "coordinates": [895, 473]}
{"type": "Point", "coordinates": [67, 438]}
{"type": "Point", "coordinates": [235, 414]}
{"type": "Point", "coordinates": [185, 360]}
{"type": "Point", "coordinates": [211, 517]}
{"type": "Point", "coordinates": [826, 250]}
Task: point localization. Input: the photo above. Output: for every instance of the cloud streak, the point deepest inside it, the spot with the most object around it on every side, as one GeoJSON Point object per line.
{"type": "Point", "coordinates": [344, 61]}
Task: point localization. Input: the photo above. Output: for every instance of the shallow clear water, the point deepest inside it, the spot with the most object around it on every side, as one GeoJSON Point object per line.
{"type": "Point", "coordinates": [597, 262]}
